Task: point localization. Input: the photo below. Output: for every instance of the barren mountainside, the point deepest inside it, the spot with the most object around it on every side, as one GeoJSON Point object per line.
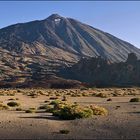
{"type": "Point", "coordinates": [34, 50]}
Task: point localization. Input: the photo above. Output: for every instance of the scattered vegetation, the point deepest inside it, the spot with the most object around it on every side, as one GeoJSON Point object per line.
{"type": "Point", "coordinates": [4, 93]}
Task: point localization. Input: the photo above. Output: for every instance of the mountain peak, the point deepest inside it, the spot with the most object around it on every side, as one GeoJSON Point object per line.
{"type": "Point", "coordinates": [54, 16]}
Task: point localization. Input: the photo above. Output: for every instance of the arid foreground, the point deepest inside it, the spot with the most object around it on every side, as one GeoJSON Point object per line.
{"type": "Point", "coordinates": [28, 118]}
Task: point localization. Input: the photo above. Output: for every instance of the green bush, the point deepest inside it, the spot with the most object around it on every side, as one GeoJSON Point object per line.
{"type": "Point", "coordinates": [135, 100]}
{"type": "Point", "coordinates": [67, 111]}
{"type": "Point", "coordinates": [13, 104]}
{"type": "Point", "coordinates": [71, 111]}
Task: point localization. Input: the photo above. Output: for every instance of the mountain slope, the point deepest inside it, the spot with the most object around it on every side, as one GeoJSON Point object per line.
{"type": "Point", "coordinates": [56, 33]}
{"type": "Point", "coordinates": [41, 47]}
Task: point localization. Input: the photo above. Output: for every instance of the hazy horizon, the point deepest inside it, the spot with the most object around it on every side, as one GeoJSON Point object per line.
{"type": "Point", "coordinates": [120, 19]}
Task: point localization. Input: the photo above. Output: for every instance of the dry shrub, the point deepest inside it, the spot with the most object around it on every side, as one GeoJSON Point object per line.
{"type": "Point", "coordinates": [41, 92]}
{"type": "Point", "coordinates": [64, 131]}
{"type": "Point", "coordinates": [64, 98]}
{"type": "Point", "coordinates": [71, 111]}
{"type": "Point", "coordinates": [135, 100]}
{"type": "Point", "coordinates": [11, 99]}
{"type": "Point", "coordinates": [85, 94]}
{"type": "Point", "coordinates": [13, 104]}
{"type": "Point", "coordinates": [102, 95]}
{"type": "Point", "coordinates": [19, 109]}
{"type": "Point", "coordinates": [43, 106]}
{"type": "Point", "coordinates": [109, 99]}
{"type": "Point", "coordinates": [98, 110]}
{"type": "Point", "coordinates": [3, 107]}
{"type": "Point", "coordinates": [53, 98]}
{"type": "Point", "coordinates": [74, 111]}
{"type": "Point", "coordinates": [55, 102]}
{"type": "Point", "coordinates": [30, 110]}
{"type": "Point", "coordinates": [49, 108]}
{"type": "Point", "coordinates": [46, 101]}
{"type": "Point", "coordinates": [1, 94]}
{"type": "Point", "coordinates": [33, 95]}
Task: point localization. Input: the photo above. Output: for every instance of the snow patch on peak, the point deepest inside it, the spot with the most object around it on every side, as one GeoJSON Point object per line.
{"type": "Point", "coordinates": [57, 20]}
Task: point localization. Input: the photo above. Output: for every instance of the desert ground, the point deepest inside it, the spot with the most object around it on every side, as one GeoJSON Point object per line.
{"type": "Point", "coordinates": [122, 121]}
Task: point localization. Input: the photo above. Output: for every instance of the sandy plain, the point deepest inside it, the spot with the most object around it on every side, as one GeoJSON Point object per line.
{"type": "Point", "coordinates": [122, 122]}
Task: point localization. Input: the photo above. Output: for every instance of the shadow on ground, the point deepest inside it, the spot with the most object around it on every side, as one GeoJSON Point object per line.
{"type": "Point", "coordinates": [49, 117]}
{"type": "Point", "coordinates": [136, 112]}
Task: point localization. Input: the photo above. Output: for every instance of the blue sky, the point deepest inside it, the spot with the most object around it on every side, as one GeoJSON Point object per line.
{"type": "Point", "coordinates": [121, 18]}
